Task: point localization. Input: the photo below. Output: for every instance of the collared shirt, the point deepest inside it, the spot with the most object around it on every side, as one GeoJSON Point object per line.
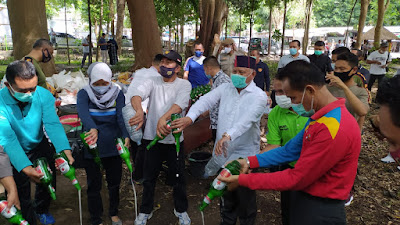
{"type": "Point", "coordinates": [327, 150]}
{"type": "Point", "coordinates": [364, 72]}
{"type": "Point", "coordinates": [360, 92]}
{"type": "Point", "coordinates": [262, 79]}
{"type": "Point", "coordinates": [323, 62]}
{"type": "Point", "coordinates": [197, 76]}
{"type": "Point", "coordinates": [286, 59]}
{"type": "Point", "coordinates": [39, 71]}
{"type": "Point", "coordinates": [218, 79]}
{"type": "Point", "coordinates": [21, 128]}
{"type": "Point", "coordinates": [162, 95]}
{"type": "Point", "coordinates": [239, 116]}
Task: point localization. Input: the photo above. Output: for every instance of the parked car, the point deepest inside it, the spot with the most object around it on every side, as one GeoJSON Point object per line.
{"type": "Point", "coordinates": [261, 44]}
{"type": "Point", "coordinates": [59, 40]}
{"type": "Point", "coordinates": [126, 42]}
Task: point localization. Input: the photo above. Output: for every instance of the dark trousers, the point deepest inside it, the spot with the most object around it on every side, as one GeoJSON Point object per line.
{"type": "Point", "coordinates": [113, 167]}
{"type": "Point", "coordinates": [240, 203]}
{"type": "Point", "coordinates": [85, 55]}
{"type": "Point", "coordinates": [41, 203]}
{"type": "Point", "coordinates": [214, 134]}
{"type": "Point", "coordinates": [285, 197]}
{"type": "Point", "coordinates": [153, 160]}
{"type": "Point", "coordinates": [373, 78]}
{"type": "Point", "coordinates": [138, 159]}
{"type": "Point", "coordinates": [309, 210]}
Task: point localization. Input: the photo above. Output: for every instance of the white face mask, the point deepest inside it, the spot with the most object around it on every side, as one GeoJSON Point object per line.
{"type": "Point", "coordinates": [227, 49]}
{"type": "Point", "coordinates": [283, 101]}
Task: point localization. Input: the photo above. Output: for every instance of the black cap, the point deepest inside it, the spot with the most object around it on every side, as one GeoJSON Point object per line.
{"type": "Point", "coordinates": [245, 61]}
{"type": "Point", "coordinates": [172, 55]}
{"type": "Point", "coordinates": [158, 57]}
{"type": "Point", "coordinates": [384, 44]}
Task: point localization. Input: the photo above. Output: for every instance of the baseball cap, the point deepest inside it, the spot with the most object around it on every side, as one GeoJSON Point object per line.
{"type": "Point", "coordinates": [384, 44]}
{"type": "Point", "coordinates": [172, 55]}
{"type": "Point", "coordinates": [245, 61]}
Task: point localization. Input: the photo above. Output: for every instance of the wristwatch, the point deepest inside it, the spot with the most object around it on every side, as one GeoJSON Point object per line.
{"type": "Point", "coordinates": [248, 162]}
{"type": "Point", "coordinates": [227, 135]}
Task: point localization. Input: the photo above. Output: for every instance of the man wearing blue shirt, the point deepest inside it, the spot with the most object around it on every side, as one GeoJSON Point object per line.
{"type": "Point", "coordinates": [104, 48]}
{"type": "Point", "coordinates": [194, 71]}
{"type": "Point", "coordinates": [261, 79]}
{"type": "Point", "coordinates": [26, 111]}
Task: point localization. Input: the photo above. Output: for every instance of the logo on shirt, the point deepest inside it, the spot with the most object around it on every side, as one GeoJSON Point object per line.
{"type": "Point", "coordinates": [259, 70]}
{"type": "Point", "coordinates": [283, 127]}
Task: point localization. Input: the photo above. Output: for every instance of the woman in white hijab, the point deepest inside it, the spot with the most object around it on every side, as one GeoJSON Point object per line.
{"type": "Point", "coordinates": [99, 107]}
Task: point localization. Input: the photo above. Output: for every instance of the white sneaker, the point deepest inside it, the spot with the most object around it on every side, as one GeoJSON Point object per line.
{"type": "Point", "coordinates": [388, 159]}
{"type": "Point", "coordinates": [183, 218]}
{"type": "Point", "coordinates": [142, 218]}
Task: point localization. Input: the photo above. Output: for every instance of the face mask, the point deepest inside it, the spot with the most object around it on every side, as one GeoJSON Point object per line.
{"type": "Point", "coordinates": [22, 97]}
{"type": "Point", "coordinates": [283, 101]}
{"type": "Point", "coordinates": [101, 89]}
{"type": "Point", "coordinates": [344, 76]}
{"type": "Point", "coordinates": [293, 51]}
{"type": "Point", "coordinates": [167, 72]}
{"type": "Point", "coordinates": [333, 65]}
{"type": "Point", "coordinates": [198, 53]}
{"type": "Point", "coordinates": [238, 81]}
{"type": "Point", "coordinates": [208, 76]}
{"type": "Point", "coordinates": [254, 57]}
{"type": "Point", "coordinates": [318, 52]}
{"type": "Point", "coordinates": [227, 49]}
{"type": "Point", "coordinates": [45, 58]}
{"type": "Point", "coordinates": [299, 108]}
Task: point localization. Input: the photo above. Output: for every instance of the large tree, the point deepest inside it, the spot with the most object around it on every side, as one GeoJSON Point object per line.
{"type": "Point", "coordinates": [361, 21]}
{"type": "Point", "coordinates": [307, 25]}
{"type": "Point", "coordinates": [120, 23]}
{"type": "Point", "coordinates": [212, 15]}
{"type": "Point", "coordinates": [382, 6]}
{"type": "Point", "coordinates": [145, 32]}
{"type": "Point", "coordinates": [28, 23]}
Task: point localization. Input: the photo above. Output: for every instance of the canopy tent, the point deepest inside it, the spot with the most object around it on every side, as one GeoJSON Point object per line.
{"type": "Point", "coordinates": [385, 35]}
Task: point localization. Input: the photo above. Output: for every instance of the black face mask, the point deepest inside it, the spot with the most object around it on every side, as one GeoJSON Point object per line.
{"type": "Point", "coordinates": [344, 76]}
{"type": "Point", "coordinates": [45, 58]}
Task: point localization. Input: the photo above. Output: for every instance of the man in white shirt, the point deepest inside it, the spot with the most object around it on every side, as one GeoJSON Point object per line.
{"type": "Point", "coordinates": [168, 94]}
{"type": "Point", "coordinates": [241, 105]}
{"type": "Point", "coordinates": [379, 60]}
{"type": "Point", "coordinates": [86, 50]}
{"type": "Point", "coordinates": [294, 50]}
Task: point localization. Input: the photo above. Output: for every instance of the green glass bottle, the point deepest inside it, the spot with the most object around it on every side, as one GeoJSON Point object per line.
{"type": "Point", "coordinates": [92, 148]}
{"type": "Point", "coordinates": [177, 136]}
{"type": "Point", "coordinates": [157, 138]}
{"type": "Point", "coordinates": [42, 166]}
{"type": "Point", "coordinates": [124, 153]}
{"type": "Point", "coordinates": [66, 169]}
{"type": "Point", "coordinates": [13, 215]}
{"type": "Point", "coordinates": [218, 187]}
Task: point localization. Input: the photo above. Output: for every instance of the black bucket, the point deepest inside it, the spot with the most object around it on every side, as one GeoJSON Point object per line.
{"type": "Point", "coordinates": [197, 163]}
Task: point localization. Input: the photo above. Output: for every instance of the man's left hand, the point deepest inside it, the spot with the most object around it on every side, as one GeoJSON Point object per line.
{"type": "Point", "coordinates": [231, 181]}
{"type": "Point", "coordinates": [222, 146]}
{"type": "Point", "coordinates": [335, 81]}
{"type": "Point", "coordinates": [127, 142]}
{"type": "Point", "coordinates": [68, 153]}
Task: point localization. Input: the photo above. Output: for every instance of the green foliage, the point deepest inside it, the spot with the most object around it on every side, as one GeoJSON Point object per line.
{"type": "Point", "coordinates": [277, 35]}
{"type": "Point", "coordinates": [171, 12]}
{"type": "Point", "coordinates": [244, 7]}
{"type": "Point", "coordinates": [273, 68]}
{"type": "Point", "coordinates": [392, 14]}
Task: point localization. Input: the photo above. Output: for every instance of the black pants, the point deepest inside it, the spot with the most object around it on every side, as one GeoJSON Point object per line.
{"type": "Point", "coordinates": [309, 210]}
{"type": "Point", "coordinates": [285, 197]}
{"type": "Point", "coordinates": [240, 203]}
{"type": "Point", "coordinates": [373, 78]}
{"type": "Point", "coordinates": [85, 55]}
{"type": "Point", "coordinates": [153, 160]}
{"type": "Point", "coordinates": [113, 167]}
{"type": "Point", "coordinates": [214, 134]}
{"type": "Point", "coordinates": [138, 159]}
{"type": "Point", "coordinates": [41, 203]}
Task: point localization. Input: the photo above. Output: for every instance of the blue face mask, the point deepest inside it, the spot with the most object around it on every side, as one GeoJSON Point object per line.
{"type": "Point", "coordinates": [293, 51]}
{"type": "Point", "coordinates": [22, 97]}
{"type": "Point", "coordinates": [238, 81]}
{"type": "Point", "coordinates": [198, 53]}
{"type": "Point", "coordinates": [333, 65]}
{"type": "Point", "coordinates": [101, 89]}
{"type": "Point", "coordinates": [208, 76]}
{"type": "Point", "coordinates": [299, 108]}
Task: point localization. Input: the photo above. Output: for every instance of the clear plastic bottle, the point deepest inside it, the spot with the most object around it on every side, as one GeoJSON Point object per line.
{"type": "Point", "coordinates": [136, 135]}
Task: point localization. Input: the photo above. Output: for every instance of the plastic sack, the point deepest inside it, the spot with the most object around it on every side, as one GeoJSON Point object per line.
{"type": "Point", "coordinates": [136, 135]}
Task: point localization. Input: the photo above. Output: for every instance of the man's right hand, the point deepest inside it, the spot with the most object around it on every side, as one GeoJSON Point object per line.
{"type": "Point", "coordinates": [32, 174]}
{"type": "Point", "coordinates": [181, 124]}
{"type": "Point", "coordinates": [245, 168]}
{"type": "Point", "coordinates": [137, 119]}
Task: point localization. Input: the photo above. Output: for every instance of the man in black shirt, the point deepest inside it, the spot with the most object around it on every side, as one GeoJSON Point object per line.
{"type": "Point", "coordinates": [361, 69]}
{"type": "Point", "coordinates": [261, 79]}
{"type": "Point", "coordinates": [322, 61]}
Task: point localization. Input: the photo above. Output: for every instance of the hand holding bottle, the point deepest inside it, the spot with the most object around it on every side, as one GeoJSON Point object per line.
{"type": "Point", "coordinates": [181, 124]}
{"type": "Point", "coordinates": [32, 174]}
{"type": "Point", "coordinates": [162, 128]}
{"type": "Point", "coordinates": [91, 136]}
{"type": "Point", "coordinates": [222, 146]}
{"type": "Point", "coordinates": [138, 119]}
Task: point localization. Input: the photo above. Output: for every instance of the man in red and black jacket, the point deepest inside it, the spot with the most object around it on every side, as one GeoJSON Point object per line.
{"type": "Point", "coordinates": [327, 151]}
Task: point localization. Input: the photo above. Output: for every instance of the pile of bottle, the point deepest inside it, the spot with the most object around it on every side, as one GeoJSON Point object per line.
{"type": "Point", "coordinates": [199, 91]}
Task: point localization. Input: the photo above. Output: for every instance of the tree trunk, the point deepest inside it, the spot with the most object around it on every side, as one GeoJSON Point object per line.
{"type": "Point", "coordinates": [270, 29]}
{"type": "Point", "coordinates": [307, 25]}
{"type": "Point", "coordinates": [226, 27]}
{"type": "Point", "coordinates": [169, 37]}
{"type": "Point", "coordinates": [240, 27]}
{"type": "Point", "coordinates": [28, 23]}
{"type": "Point", "coordinates": [100, 29]}
{"type": "Point", "coordinates": [284, 26]}
{"type": "Point", "coordinates": [145, 32]}
{"type": "Point", "coordinates": [382, 6]}
{"type": "Point", "coordinates": [120, 23]}
{"type": "Point", "coordinates": [66, 30]}
{"type": "Point", "coordinates": [212, 15]}
{"type": "Point", "coordinates": [182, 34]}
{"type": "Point", "coordinates": [90, 35]}
{"type": "Point", "coordinates": [361, 22]}
{"type": "Point", "coordinates": [112, 15]}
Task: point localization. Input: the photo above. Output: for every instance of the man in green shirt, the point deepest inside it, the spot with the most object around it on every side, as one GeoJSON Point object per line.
{"type": "Point", "coordinates": [283, 124]}
{"type": "Point", "coordinates": [42, 51]}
